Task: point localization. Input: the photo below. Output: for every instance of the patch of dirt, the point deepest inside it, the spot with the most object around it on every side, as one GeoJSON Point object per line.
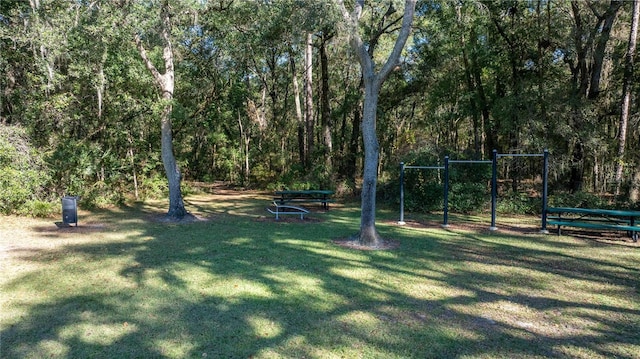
{"type": "Point", "coordinates": [474, 227]}
{"type": "Point", "coordinates": [289, 219]}
{"type": "Point", "coordinates": [387, 244]}
{"type": "Point", "coordinates": [519, 229]}
{"type": "Point", "coordinates": [60, 227]}
{"type": "Point", "coordinates": [188, 218]}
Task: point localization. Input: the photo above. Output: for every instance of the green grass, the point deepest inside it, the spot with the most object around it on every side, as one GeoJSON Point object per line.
{"type": "Point", "coordinates": [244, 286]}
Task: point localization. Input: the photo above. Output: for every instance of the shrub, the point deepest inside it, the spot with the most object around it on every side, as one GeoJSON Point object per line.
{"type": "Point", "coordinates": [579, 200]}
{"type": "Point", "coordinates": [38, 208]}
{"type": "Point", "coordinates": [519, 203]}
{"type": "Point", "coordinates": [424, 188]}
{"type": "Point", "coordinates": [154, 187]}
{"type": "Point", "coordinates": [467, 197]}
{"type": "Point", "coordinates": [469, 187]}
{"type": "Point", "coordinates": [25, 175]}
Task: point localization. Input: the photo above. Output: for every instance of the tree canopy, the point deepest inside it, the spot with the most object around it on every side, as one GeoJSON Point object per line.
{"type": "Point", "coordinates": [269, 94]}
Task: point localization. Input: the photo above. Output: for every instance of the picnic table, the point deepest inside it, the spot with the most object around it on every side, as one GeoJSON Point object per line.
{"type": "Point", "coordinates": [605, 219]}
{"type": "Point", "coordinates": [308, 196]}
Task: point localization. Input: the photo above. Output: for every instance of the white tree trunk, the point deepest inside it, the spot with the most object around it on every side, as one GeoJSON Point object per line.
{"type": "Point", "coordinates": [308, 96]}
{"type": "Point", "coordinates": [299, 117]}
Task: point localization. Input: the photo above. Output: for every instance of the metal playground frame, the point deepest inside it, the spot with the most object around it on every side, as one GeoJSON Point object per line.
{"type": "Point", "coordinates": [494, 184]}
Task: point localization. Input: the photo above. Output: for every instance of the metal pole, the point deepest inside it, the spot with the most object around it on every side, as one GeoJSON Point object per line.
{"type": "Point", "coordinates": [445, 222]}
{"type": "Point", "coordinates": [545, 189]}
{"type": "Point", "coordinates": [494, 190]}
{"type": "Point", "coordinates": [401, 221]}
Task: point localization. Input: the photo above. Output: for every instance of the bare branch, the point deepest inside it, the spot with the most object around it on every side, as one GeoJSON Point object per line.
{"type": "Point", "coordinates": [147, 61]}
{"type": "Point", "coordinates": [407, 19]}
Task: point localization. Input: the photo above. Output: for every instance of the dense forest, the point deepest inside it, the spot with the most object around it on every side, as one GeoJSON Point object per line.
{"type": "Point", "coordinates": [95, 96]}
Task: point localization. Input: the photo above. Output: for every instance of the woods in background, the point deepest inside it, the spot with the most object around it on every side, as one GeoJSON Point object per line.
{"type": "Point", "coordinates": [269, 94]}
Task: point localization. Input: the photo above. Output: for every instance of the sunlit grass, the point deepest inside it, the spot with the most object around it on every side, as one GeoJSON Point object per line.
{"type": "Point", "coordinates": [240, 285]}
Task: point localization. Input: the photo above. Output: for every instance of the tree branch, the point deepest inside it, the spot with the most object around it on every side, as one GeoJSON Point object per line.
{"type": "Point", "coordinates": [407, 19]}
{"type": "Point", "coordinates": [147, 61]}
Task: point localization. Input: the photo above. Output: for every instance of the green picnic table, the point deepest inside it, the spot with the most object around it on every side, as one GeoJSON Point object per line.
{"type": "Point", "coordinates": [307, 196]}
{"type": "Point", "coordinates": [593, 218]}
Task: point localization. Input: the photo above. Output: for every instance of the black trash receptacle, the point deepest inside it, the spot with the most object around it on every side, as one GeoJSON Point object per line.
{"type": "Point", "coordinates": [70, 210]}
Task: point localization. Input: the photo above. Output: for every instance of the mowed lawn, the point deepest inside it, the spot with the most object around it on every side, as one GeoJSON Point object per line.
{"type": "Point", "coordinates": [238, 284]}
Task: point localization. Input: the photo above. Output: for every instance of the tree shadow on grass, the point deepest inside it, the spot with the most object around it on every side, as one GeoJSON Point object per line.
{"type": "Point", "coordinates": [237, 287]}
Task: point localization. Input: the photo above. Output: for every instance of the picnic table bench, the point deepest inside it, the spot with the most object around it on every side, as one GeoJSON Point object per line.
{"type": "Point", "coordinates": [604, 219]}
{"type": "Point", "coordinates": [304, 196]}
{"type": "Point", "coordinates": [280, 209]}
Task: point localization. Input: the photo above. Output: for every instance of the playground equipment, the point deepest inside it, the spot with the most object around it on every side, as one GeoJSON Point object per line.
{"type": "Point", "coordinates": [494, 184]}
{"type": "Point", "coordinates": [447, 162]}
{"type": "Point", "coordinates": [402, 168]}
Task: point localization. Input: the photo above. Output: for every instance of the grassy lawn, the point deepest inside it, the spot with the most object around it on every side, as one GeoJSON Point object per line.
{"type": "Point", "coordinates": [240, 285]}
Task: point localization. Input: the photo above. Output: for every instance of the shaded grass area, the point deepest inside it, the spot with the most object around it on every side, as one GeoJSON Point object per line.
{"type": "Point", "coordinates": [241, 285]}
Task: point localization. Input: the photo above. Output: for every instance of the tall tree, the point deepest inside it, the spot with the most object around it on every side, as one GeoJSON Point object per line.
{"type": "Point", "coordinates": [586, 67]}
{"type": "Point", "coordinates": [373, 81]}
{"type": "Point", "coordinates": [626, 94]}
{"type": "Point", "coordinates": [308, 95]}
{"type": "Point", "coordinates": [325, 108]}
{"type": "Point", "coordinates": [166, 84]}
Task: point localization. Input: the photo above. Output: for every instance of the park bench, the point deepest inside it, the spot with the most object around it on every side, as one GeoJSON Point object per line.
{"type": "Point", "coordinates": [589, 218]}
{"type": "Point", "coordinates": [280, 209]}
{"type": "Point", "coordinates": [304, 196]}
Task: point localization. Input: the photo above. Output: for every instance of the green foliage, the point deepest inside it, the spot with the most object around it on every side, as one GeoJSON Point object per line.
{"type": "Point", "coordinates": [519, 203]}
{"type": "Point", "coordinates": [38, 208]}
{"type": "Point", "coordinates": [89, 103]}
{"type": "Point", "coordinates": [469, 186]}
{"type": "Point", "coordinates": [579, 200]}
{"type": "Point", "coordinates": [468, 197]}
{"type": "Point", "coordinates": [154, 186]}
{"type": "Point", "coordinates": [295, 179]}
{"type": "Point", "coordinates": [423, 188]}
{"type": "Point", "coordinates": [24, 179]}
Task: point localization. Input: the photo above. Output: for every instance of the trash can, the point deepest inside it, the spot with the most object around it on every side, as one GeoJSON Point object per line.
{"type": "Point", "coordinates": [70, 210]}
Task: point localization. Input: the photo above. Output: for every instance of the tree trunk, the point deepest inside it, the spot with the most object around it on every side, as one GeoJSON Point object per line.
{"type": "Point", "coordinates": [626, 95]}
{"type": "Point", "coordinates": [166, 84]}
{"type": "Point", "coordinates": [244, 151]}
{"type": "Point", "coordinates": [308, 96]}
{"type": "Point", "coordinates": [477, 131]}
{"type": "Point", "coordinates": [576, 174]}
{"type": "Point", "coordinates": [586, 71]}
{"type": "Point", "coordinates": [634, 191]}
{"type": "Point", "coordinates": [299, 117]}
{"type": "Point", "coordinates": [601, 46]}
{"type": "Point", "coordinates": [354, 143]}
{"type": "Point", "coordinates": [133, 167]}
{"type": "Point", "coordinates": [487, 142]}
{"type": "Point", "coordinates": [368, 235]}
{"type": "Point", "coordinates": [325, 112]}
{"type": "Point", "coordinates": [102, 83]}
{"type": "Point", "coordinates": [176, 203]}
